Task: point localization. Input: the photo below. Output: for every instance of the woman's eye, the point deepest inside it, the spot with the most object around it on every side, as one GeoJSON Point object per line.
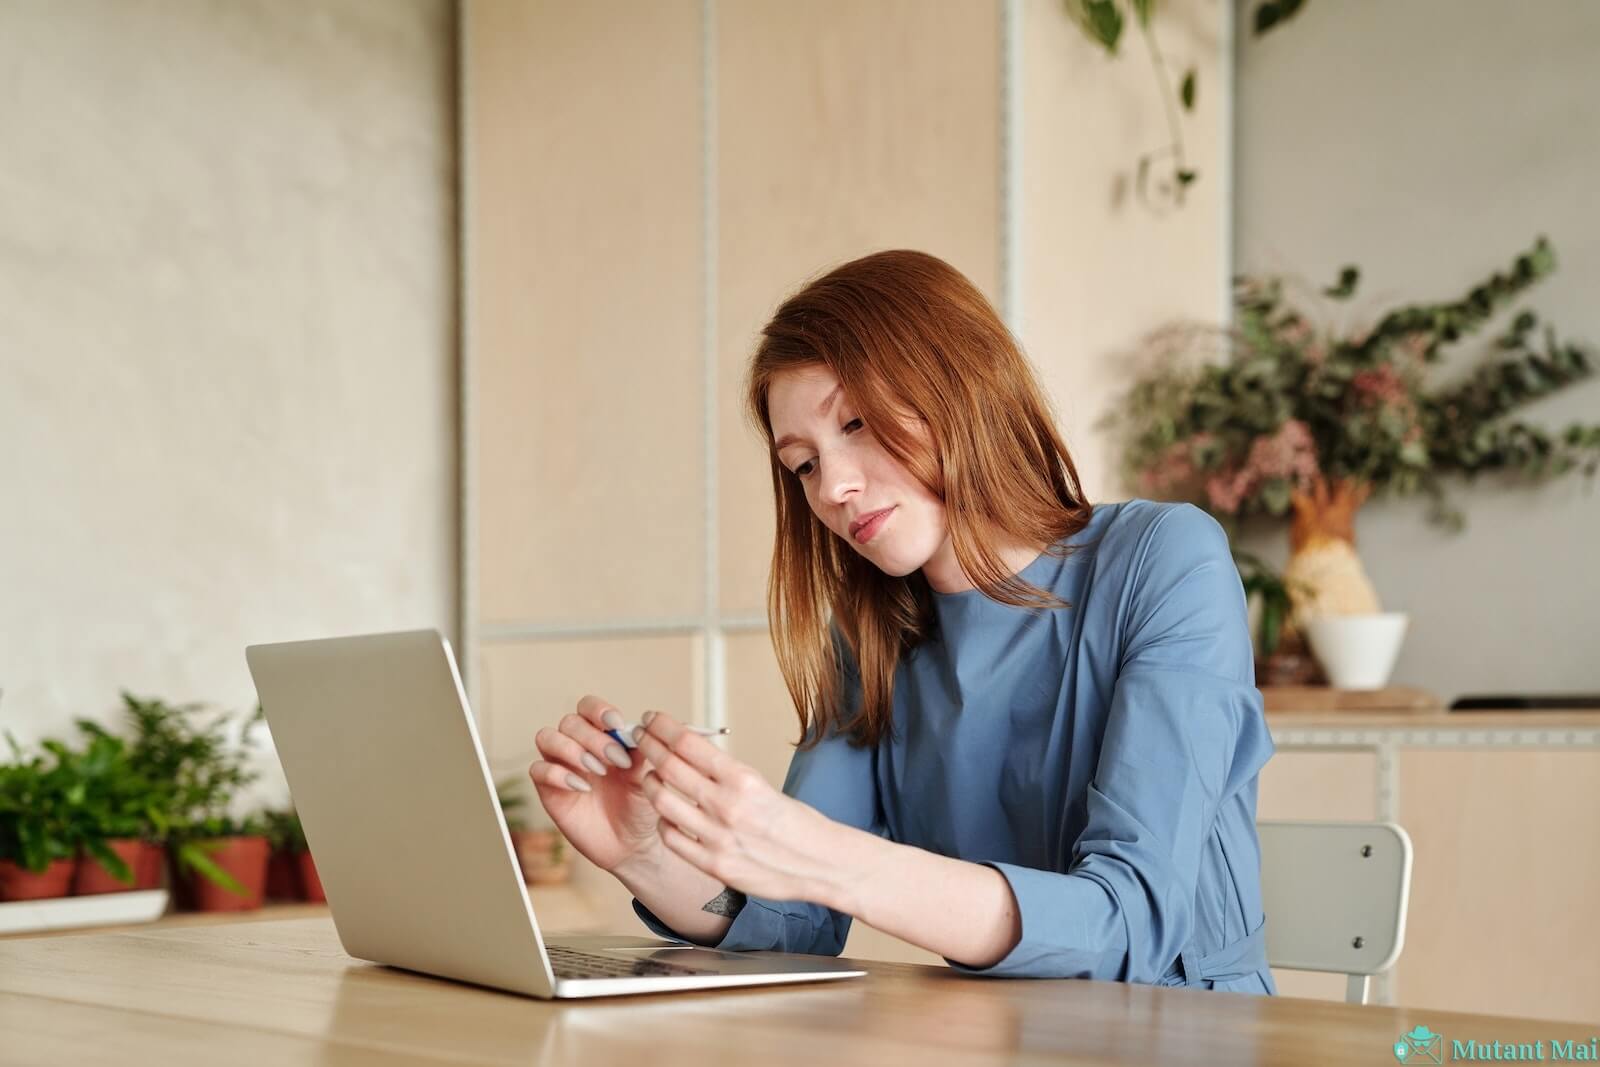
{"type": "Point", "coordinates": [805, 468]}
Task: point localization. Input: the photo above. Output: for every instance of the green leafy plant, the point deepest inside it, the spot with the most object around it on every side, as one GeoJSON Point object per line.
{"type": "Point", "coordinates": [284, 831]}
{"type": "Point", "coordinates": [511, 802]}
{"type": "Point", "coordinates": [1102, 21]}
{"type": "Point", "coordinates": [109, 798]}
{"type": "Point", "coordinates": [1261, 580]}
{"type": "Point", "coordinates": [1292, 409]}
{"type": "Point", "coordinates": [200, 772]}
{"type": "Point", "coordinates": [35, 827]}
{"type": "Point", "coordinates": [195, 843]}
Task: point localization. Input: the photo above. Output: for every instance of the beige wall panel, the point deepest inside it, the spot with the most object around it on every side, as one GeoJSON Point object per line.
{"type": "Point", "coordinates": [1099, 269]}
{"type": "Point", "coordinates": [526, 686]}
{"type": "Point", "coordinates": [1326, 786]}
{"type": "Point", "coordinates": [1504, 882]}
{"type": "Point", "coordinates": [844, 128]}
{"type": "Point", "coordinates": [759, 710]}
{"type": "Point", "coordinates": [583, 247]}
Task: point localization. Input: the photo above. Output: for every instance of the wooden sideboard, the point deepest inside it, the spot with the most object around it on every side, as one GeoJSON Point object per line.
{"type": "Point", "coordinates": [1503, 810]}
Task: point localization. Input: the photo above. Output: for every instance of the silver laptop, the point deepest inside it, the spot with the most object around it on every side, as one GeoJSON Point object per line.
{"type": "Point", "coordinates": [385, 768]}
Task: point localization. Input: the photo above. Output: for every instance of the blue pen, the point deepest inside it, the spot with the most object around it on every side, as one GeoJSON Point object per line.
{"type": "Point", "coordinates": [627, 742]}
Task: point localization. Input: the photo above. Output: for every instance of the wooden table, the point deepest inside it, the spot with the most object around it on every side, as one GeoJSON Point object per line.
{"type": "Point", "coordinates": [284, 992]}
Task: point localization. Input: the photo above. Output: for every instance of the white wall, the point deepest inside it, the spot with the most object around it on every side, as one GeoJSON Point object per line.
{"type": "Point", "coordinates": [227, 356]}
{"type": "Point", "coordinates": [1429, 142]}
{"type": "Point", "coordinates": [1099, 268]}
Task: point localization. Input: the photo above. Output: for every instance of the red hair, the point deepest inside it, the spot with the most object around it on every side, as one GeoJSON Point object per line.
{"type": "Point", "coordinates": [906, 334]}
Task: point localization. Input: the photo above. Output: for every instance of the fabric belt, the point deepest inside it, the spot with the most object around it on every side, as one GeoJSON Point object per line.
{"type": "Point", "coordinates": [1240, 959]}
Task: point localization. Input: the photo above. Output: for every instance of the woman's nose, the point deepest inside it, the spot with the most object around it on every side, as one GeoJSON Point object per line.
{"type": "Point", "coordinates": [839, 480]}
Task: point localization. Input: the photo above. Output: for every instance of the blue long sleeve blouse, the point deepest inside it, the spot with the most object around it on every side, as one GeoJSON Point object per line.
{"type": "Point", "coordinates": [1103, 758]}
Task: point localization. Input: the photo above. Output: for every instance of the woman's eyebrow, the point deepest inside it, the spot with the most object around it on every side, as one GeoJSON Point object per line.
{"type": "Point", "coordinates": [822, 409]}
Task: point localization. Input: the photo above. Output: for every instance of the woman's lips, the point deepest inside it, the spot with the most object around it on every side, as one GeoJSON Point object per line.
{"type": "Point", "coordinates": [873, 524]}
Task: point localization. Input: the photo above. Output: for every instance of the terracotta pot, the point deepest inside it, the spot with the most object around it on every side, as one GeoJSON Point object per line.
{"type": "Point", "coordinates": [19, 883]}
{"type": "Point", "coordinates": [92, 877]}
{"type": "Point", "coordinates": [310, 879]}
{"type": "Point", "coordinates": [536, 853]}
{"type": "Point", "coordinates": [152, 866]}
{"type": "Point", "coordinates": [245, 858]}
{"type": "Point", "coordinates": [283, 876]}
{"type": "Point", "coordinates": [1290, 664]}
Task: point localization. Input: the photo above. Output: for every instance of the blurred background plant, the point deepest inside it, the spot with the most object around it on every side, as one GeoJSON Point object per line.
{"type": "Point", "coordinates": [35, 823]}
{"type": "Point", "coordinates": [283, 830]}
{"type": "Point", "coordinates": [111, 799]}
{"type": "Point", "coordinates": [541, 850]}
{"type": "Point", "coordinates": [1264, 583]}
{"type": "Point", "coordinates": [199, 769]}
{"type": "Point", "coordinates": [1283, 656]}
{"type": "Point", "coordinates": [171, 783]}
{"type": "Point", "coordinates": [1307, 422]}
{"type": "Point", "coordinates": [511, 802]}
{"type": "Point", "coordinates": [1102, 21]}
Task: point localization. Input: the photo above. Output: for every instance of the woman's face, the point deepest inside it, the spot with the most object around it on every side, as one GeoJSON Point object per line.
{"type": "Point", "coordinates": [847, 474]}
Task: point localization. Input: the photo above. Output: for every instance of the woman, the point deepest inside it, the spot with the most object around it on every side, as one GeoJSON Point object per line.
{"type": "Point", "coordinates": [1030, 734]}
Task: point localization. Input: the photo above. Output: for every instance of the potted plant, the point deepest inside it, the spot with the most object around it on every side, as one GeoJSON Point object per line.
{"type": "Point", "coordinates": [1281, 654]}
{"type": "Point", "coordinates": [542, 852]}
{"type": "Point", "coordinates": [292, 873]}
{"type": "Point", "coordinates": [1308, 424]}
{"type": "Point", "coordinates": [107, 812]}
{"type": "Point", "coordinates": [220, 862]}
{"type": "Point", "coordinates": [38, 853]}
{"type": "Point", "coordinates": [283, 876]}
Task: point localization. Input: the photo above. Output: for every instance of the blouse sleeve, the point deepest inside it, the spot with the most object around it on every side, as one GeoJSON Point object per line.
{"type": "Point", "coordinates": [839, 781]}
{"type": "Point", "coordinates": [1183, 705]}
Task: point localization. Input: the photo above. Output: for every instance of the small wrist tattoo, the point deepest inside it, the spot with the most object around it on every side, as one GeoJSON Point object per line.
{"type": "Point", "coordinates": [729, 902]}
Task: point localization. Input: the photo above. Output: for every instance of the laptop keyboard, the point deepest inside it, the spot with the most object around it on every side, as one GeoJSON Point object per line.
{"type": "Point", "coordinates": [570, 963]}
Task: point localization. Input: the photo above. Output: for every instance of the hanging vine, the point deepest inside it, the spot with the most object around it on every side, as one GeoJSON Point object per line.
{"type": "Point", "coordinates": [1103, 21]}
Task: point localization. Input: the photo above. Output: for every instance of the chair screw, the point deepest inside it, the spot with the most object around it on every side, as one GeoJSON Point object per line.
{"type": "Point", "coordinates": [1366, 851]}
{"type": "Point", "coordinates": [1358, 942]}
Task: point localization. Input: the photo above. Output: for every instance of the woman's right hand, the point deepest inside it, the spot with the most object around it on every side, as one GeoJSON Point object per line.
{"type": "Point", "coordinates": [596, 801]}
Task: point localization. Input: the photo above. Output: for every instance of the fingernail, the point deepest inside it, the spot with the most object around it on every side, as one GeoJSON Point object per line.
{"type": "Point", "coordinates": [647, 717]}
{"type": "Point", "coordinates": [593, 764]}
{"type": "Point", "coordinates": [618, 755]}
{"type": "Point", "coordinates": [638, 732]}
{"type": "Point", "coordinates": [613, 720]}
{"type": "Point", "coordinates": [577, 783]}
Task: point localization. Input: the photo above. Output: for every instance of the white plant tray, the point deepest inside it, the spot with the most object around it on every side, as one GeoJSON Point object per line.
{"type": "Point", "coordinates": [99, 909]}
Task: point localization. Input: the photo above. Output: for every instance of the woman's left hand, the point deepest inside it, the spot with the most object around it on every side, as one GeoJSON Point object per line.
{"type": "Point", "coordinates": [722, 816]}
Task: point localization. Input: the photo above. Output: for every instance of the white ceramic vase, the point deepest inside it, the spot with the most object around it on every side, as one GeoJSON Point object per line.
{"type": "Point", "coordinates": [1357, 651]}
